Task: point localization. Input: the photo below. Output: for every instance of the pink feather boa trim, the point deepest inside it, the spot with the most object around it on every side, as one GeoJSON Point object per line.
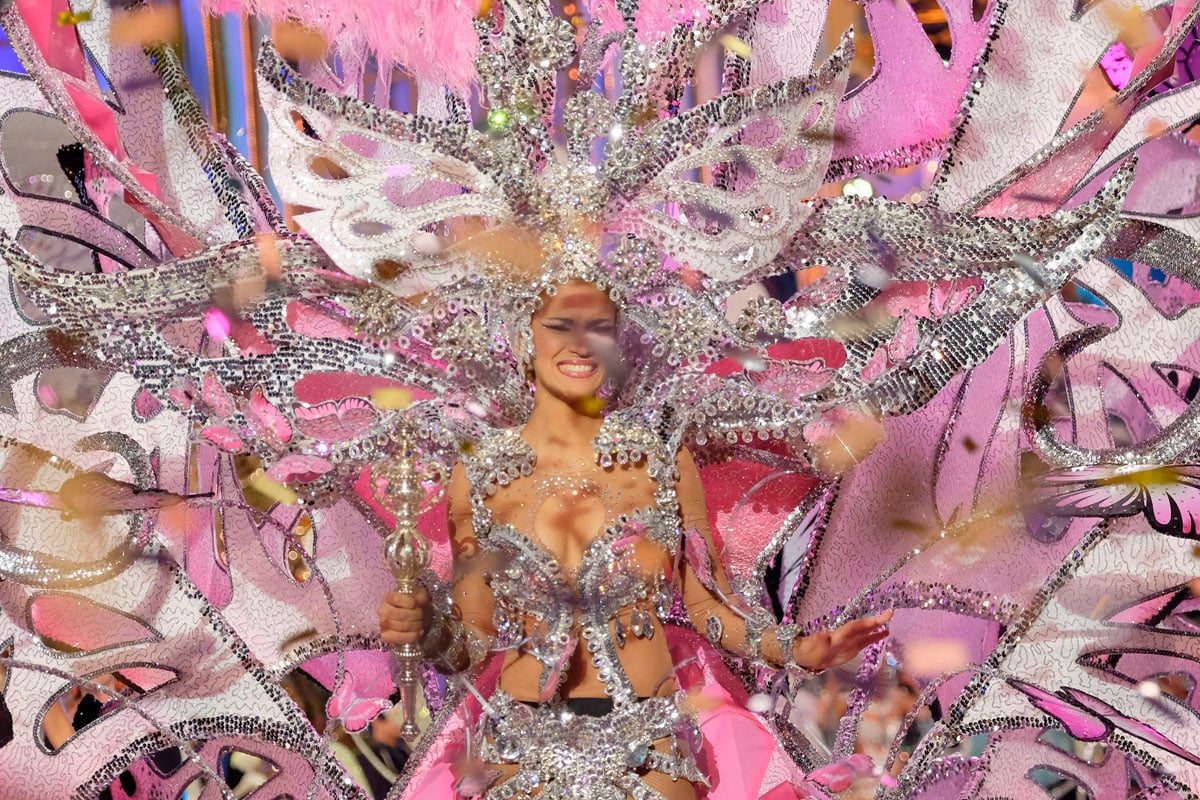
{"type": "Point", "coordinates": [434, 39]}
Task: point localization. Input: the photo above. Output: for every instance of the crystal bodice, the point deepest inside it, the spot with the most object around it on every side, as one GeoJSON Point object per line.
{"type": "Point", "coordinates": [544, 606]}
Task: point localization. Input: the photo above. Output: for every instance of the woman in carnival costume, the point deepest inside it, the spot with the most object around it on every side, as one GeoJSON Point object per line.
{"type": "Point", "coordinates": [572, 538]}
{"type": "Point", "coordinates": [546, 256]}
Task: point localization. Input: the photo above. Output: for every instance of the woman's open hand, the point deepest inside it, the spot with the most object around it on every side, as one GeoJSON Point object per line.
{"type": "Point", "coordinates": [825, 649]}
{"type": "Point", "coordinates": [404, 618]}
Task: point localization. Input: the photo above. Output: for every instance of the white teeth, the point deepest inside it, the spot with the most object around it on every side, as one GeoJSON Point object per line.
{"type": "Point", "coordinates": [577, 369]}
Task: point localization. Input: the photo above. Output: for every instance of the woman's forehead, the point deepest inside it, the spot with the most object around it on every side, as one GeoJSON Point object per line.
{"type": "Point", "coordinates": [579, 297]}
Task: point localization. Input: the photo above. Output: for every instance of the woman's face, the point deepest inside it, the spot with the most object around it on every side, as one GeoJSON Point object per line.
{"type": "Point", "coordinates": [574, 336]}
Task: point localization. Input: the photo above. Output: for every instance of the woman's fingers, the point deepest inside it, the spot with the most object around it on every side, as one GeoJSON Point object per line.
{"type": "Point", "coordinates": [870, 637]}
{"type": "Point", "coordinates": [402, 617]}
{"type": "Point", "coordinates": [824, 649]}
{"type": "Point", "coordinates": [419, 599]}
{"type": "Point", "coordinates": [862, 635]}
{"type": "Point", "coordinates": [852, 637]}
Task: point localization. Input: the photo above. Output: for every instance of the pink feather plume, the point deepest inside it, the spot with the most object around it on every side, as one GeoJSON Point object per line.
{"type": "Point", "coordinates": [432, 39]}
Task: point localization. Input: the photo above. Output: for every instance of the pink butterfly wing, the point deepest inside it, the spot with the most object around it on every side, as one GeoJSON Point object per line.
{"type": "Point", "coordinates": [336, 421]}
{"type": "Point", "coordinates": [939, 302]}
{"type": "Point", "coordinates": [354, 712]}
{"type": "Point", "coordinates": [363, 711]}
{"type": "Point", "coordinates": [299, 468]}
{"type": "Point", "coordinates": [875, 365]}
{"type": "Point", "coordinates": [962, 297]}
{"type": "Point", "coordinates": [215, 396]}
{"type": "Point", "coordinates": [342, 696]}
{"type": "Point", "coordinates": [1174, 509]}
{"type": "Point", "coordinates": [146, 405]}
{"type": "Point", "coordinates": [904, 341]}
{"type": "Point", "coordinates": [266, 419]}
{"type": "Point", "coordinates": [1096, 491]}
{"type": "Point", "coordinates": [182, 396]}
{"type": "Point", "coordinates": [1111, 500]}
{"type": "Point", "coordinates": [950, 297]}
{"type": "Point", "coordinates": [223, 438]}
{"type": "Point", "coordinates": [1080, 722]}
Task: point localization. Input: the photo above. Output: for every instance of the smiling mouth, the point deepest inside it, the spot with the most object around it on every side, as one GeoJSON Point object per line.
{"type": "Point", "coordinates": [577, 369]}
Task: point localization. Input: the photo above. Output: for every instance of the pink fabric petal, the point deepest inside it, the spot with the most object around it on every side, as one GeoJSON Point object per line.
{"type": "Point", "coordinates": [730, 730]}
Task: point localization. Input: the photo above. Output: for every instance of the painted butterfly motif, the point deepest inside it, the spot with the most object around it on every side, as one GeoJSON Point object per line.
{"type": "Point", "coordinates": [1090, 719]}
{"type": "Point", "coordinates": [336, 420]}
{"type": "Point", "coordinates": [1168, 494]}
{"type": "Point", "coordinates": [925, 300]}
{"type": "Point", "coordinates": [215, 396]}
{"type": "Point", "coordinates": [898, 348]}
{"type": "Point", "coordinates": [299, 468]}
{"type": "Point", "coordinates": [183, 395]}
{"type": "Point", "coordinates": [267, 420]}
{"type": "Point", "coordinates": [146, 405]}
{"type": "Point", "coordinates": [223, 438]}
{"type": "Point", "coordinates": [353, 711]}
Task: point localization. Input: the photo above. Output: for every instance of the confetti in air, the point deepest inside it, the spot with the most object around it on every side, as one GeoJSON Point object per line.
{"type": "Point", "coordinates": [217, 324]}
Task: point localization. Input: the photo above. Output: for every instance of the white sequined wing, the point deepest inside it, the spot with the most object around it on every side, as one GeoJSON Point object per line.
{"type": "Point", "coordinates": [381, 185]}
{"type": "Point", "coordinates": [776, 139]}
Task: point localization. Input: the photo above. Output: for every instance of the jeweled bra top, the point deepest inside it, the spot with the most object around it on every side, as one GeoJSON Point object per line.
{"type": "Point", "coordinates": [532, 583]}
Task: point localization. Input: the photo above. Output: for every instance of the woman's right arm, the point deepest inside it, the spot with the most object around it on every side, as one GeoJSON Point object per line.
{"type": "Point", "coordinates": [460, 639]}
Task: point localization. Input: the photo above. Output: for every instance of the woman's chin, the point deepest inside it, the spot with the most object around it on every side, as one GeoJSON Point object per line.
{"type": "Point", "coordinates": [579, 395]}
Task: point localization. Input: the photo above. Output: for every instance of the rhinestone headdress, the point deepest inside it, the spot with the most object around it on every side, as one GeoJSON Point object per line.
{"type": "Point", "coordinates": [147, 257]}
{"type": "Point", "coordinates": [674, 210]}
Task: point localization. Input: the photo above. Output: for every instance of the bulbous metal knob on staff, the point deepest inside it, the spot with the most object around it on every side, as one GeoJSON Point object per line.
{"type": "Point", "coordinates": [407, 556]}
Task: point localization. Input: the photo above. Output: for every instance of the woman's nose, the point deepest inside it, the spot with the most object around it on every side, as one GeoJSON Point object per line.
{"type": "Point", "coordinates": [581, 344]}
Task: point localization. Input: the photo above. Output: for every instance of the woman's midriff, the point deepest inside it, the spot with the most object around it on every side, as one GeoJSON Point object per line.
{"type": "Point", "coordinates": [647, 663]}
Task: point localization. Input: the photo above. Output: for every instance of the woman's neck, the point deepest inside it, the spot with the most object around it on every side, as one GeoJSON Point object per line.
{"type": "Point", "coordinates": [556, 423]}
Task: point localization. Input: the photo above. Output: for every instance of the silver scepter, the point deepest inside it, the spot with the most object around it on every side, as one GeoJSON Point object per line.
{"type": "Point", "coordinates": [407, 555]}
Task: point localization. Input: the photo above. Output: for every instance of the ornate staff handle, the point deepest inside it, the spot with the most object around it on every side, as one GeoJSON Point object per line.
{"type": "Point", "coordinates": [407, 555]}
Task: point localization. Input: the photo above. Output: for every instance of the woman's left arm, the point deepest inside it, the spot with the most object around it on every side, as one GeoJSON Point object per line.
{"type": "Point", "coordinates": [718, 613]}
